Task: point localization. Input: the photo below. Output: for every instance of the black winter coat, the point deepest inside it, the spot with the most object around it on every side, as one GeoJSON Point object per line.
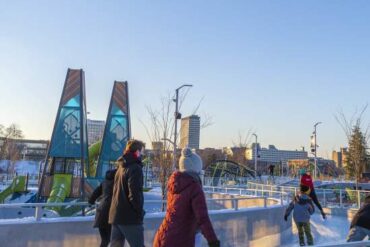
{"type": "Point", "coordinates": [128, 198]}
{"type": "Point", "coordinates": [362, 217]}
{"type": "Point", "coordinates": [104, 191]}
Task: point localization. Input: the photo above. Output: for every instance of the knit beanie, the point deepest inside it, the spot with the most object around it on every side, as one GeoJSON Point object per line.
{"type": "Point", "coordinates": [190, 162]}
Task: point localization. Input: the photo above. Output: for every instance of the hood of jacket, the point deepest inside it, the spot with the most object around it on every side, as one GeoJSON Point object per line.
{"type": "Point", "coordinates": [303, 199]}
{"type": "Point", "coordinates": [179, 181]}
{"type": "Point", "coordinates": [128, 159]}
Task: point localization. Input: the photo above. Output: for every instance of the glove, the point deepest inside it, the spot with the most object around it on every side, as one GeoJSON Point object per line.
{"type": "Point", "coordinates": [286, 217]}
{"type": "Point", "coordinates": [323, 215]}
{"type": "Point", "coordinates": [214, 244]}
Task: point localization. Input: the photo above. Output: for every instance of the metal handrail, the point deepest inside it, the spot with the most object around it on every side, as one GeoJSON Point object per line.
{"type": "Point", "coordinates": [43, 204]}
{"type": "Point", "coordinates": [243, 189]}
{"type": "Point", "coordinates": [320, 191]}
{"type": "Point", "coordinates": [39, 206]}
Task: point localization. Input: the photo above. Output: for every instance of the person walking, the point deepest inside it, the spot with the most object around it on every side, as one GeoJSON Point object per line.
{"type": "Point", "coordinates": [306, 179]}
{"type": "Point", "coordinates": [104, 193]}
{"type": "Point", "coordinates": [360, 225]}
{"type": "Point", "coordinates": [302, 208]}
{"type": "Point", "coordinates": [271, 170]}
{"type": "Point", "coordinates": [186, 207]}
{"type": "Point", "coordinates": [126, 212]}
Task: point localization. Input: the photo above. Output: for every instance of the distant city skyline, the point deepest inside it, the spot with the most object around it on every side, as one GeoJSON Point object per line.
{"type": "Point", "coordinates": [273, 67]}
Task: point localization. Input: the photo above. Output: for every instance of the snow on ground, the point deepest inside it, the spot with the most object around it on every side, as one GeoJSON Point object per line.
{"type": "Point", "coordinates": [21, 197]}
{"type": "Point", "coordinates": [333, 229]}
{"type": "Point", "coordinates": [153, 194]}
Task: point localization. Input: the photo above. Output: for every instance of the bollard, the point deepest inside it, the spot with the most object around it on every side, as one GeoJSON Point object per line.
{"type": "Point", "coordinates": [236, 204]}
{"type": "Point", "coordinates": [281, 198]}
{"type": "Point", "coordinates": [358, 199]}
{"type": "Point", "coordinates": [38, 213]}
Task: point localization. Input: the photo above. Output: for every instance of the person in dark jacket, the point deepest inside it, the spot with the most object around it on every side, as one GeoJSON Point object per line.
{"type": "Point", "coordinates": [303, 208]}
{"type": "Point", "coordinates": [186, 207]}
{"type": "Point", "coordinates": [104, 193]}
{"type": "Point", "coordinates": [306, 179]}
{"type": "Point", "coordinates": [126, 212]}
{"type": "Point", "coordinates": [360, 225]}
{"type": "Point", "coordinates": [271, 170]}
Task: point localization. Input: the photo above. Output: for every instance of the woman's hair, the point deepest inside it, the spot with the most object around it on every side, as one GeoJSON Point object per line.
{"type": "Point", "coordinates": [134, 145]}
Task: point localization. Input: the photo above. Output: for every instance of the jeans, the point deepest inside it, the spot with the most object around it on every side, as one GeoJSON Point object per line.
{"type": "Point", "coordinates": [357, 233]}
{"type": "Point", "coordinates": [304, 228]}
{"type": "Point", "coordinates": [134, 234]}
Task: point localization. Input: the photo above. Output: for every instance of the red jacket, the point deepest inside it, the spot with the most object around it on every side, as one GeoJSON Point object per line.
{"type": "Point", "coordinates": [307, 180]}
{"type": "Point", "coordinates": [186, 213]}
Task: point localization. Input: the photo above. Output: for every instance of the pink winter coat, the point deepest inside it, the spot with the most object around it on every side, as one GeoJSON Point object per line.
{"type": "Point", "coordinates": [186, 212]}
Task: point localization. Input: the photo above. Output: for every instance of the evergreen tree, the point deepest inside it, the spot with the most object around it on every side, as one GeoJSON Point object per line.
{"type": "Point", "coordinates": [357, 157]}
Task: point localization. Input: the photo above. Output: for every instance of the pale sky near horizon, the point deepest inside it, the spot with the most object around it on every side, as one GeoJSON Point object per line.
{"type": "Point", "coordinates": [275, 67]}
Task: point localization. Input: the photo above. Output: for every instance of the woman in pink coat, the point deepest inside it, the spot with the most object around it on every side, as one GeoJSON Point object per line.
{"type": "Point", "coordinates": [186, 207]}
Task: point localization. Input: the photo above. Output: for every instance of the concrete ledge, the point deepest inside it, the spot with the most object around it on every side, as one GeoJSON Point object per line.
{"type": "Point", "coordinates": [246, 227]}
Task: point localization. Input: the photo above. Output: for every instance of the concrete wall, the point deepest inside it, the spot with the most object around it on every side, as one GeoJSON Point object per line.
{"type": "Point", "coordinates": [247, 227]}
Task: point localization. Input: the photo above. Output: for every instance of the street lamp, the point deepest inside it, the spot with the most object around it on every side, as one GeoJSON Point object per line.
{"type": "Point", "coordinates": [315, 147]}
{"type": "Point", "coordinates": [177, 116]}
{"type": "Point", "coordinates": [255, 156]}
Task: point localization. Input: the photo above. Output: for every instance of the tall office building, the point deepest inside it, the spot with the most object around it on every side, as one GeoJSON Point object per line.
{"type": "Point", "coordinates": [190, 132]}
{"type": "Point", "coordinates": [340, 158]}
{"type": "Point", "coordinates": [95, 130]}
{"type": "Point", "coordinates": [337, 157]}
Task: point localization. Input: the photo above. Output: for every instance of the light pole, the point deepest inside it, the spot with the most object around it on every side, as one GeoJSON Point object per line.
{"type": "Point", "coordinates": [177, 116]}
{"type": "Point", "coordinates": [315, 147]}
{"type": "Point", "coordinates": [255, 156]}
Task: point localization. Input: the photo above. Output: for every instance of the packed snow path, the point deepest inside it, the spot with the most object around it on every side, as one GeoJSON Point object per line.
{"type": "Point", "coordinates": [332, 230]}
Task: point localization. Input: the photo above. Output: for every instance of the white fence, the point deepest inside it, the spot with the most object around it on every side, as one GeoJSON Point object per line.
{"type": "Point", "coordinates": [42, 209]}
{"type": "Point", "coordinates": [343, 198]}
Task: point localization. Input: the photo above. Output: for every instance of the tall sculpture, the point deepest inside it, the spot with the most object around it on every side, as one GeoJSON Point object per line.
{"type": "Point", "coordinates": [63, 174]}
{"type": "Point", "coordinates": [117, 129]}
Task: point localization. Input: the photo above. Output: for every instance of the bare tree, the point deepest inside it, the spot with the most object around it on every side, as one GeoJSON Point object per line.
{"type": "Point", "coordinates": [9, 149]}
{"type": "Point", "coordinates": [240, 146]}
{"type": "Point", "coordinates": [243, 140]}
{"type": "Point", "coordinates": [160, 129]}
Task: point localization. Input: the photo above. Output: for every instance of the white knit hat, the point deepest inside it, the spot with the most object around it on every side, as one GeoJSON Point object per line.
{"type": "Point", "coordinates": [190, 161]}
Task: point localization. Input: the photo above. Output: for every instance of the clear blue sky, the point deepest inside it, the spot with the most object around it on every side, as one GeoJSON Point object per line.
{"type": "Point", "coordinates": [274, 66]}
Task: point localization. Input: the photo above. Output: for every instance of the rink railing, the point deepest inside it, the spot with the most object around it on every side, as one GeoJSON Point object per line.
{"type": "Point", "coordinates": [343, 198]}
{"type": "Point", "coordinates": [41, 209]}
{"type": "Point", "coordinates": [281, 196]}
